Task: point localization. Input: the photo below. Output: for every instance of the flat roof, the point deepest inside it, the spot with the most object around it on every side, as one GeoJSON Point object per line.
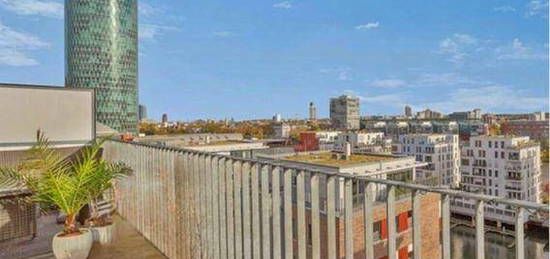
{"type": "Point", "coordinates": [218, 143]}
{"type": "Point", "coordinates": [327, 159]}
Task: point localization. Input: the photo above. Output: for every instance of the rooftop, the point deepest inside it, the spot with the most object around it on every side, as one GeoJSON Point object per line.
{"type": "Point", "coordinates": [217, 143]}
{"type": "Point", "coordinates": [327, 158]}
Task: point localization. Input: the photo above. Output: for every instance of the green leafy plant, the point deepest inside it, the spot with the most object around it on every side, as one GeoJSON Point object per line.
{"type": "Point", "coordinates": [68, 184]}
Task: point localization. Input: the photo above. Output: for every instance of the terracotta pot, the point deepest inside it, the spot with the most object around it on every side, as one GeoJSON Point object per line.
{"type": "Point", "coordinates": [72, 247]}
{"type": "Point", "coordinates": [104, 234]}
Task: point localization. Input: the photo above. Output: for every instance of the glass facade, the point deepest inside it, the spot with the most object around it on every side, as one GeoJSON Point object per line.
{"type": "Point", "coordinates": [101, 48]}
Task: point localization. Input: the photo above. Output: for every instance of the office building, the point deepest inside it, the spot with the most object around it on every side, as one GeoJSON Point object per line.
{"type": "Point", "coordinates": [142, 112]}
{"type": "Point", "coordinates": [101, 53]}
{"type": "Point", "coordinates": [312, 112]}
{"type": "Point", "coordinates": [344, 112]}
{"type": "Point", "coordinates": [428, 114]}
{"type": "Point", "coordinates": [440, 151]}
{"type": "Point", "coordinates": [502, 166]}
{"type": "Point", "coordinates": [467, 115]}
{"type": "Point", "coordinates": [408, 111]}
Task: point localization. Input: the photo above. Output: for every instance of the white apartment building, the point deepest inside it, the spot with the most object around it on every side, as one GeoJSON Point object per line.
{"type": "Point", "coordinates": [440, 151]}
{"type": "Point", "coordinates": [363, 142]}
{"type": "Point", "coordinates": [282, 130]}
{"type": "Point", "coordinates": [503, 166]}
{"type": "Point", "coordinates": [327, 136]}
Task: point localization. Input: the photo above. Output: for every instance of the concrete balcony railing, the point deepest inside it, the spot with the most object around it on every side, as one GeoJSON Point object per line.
{"type": "Point", "coordinates": [193, 204]}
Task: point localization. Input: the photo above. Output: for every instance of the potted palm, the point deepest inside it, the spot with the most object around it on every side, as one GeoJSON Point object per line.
{"type": "Point", "coordinates": [101, 223]}
{"type": "Point", "coordinates": [67, 184]}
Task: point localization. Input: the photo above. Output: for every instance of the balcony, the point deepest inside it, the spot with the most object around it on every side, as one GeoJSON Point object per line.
{"type": "Point", "coordinates": [231, 207]}
{"type": "Point", "coordinates": [236, 207]}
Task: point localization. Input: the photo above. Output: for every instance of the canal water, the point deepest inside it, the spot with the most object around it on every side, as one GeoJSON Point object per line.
{"type": "Point", "coordinates": [499, 246]}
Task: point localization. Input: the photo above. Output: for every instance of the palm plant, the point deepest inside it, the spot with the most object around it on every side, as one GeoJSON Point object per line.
{"type": "Point", "coordinates": [67, 184]}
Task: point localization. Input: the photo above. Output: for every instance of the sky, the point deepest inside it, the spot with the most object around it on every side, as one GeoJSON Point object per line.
{"type": "Point", "coordinates": [252, 59]}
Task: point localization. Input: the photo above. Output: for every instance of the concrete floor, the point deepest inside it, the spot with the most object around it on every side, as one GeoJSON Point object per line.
{"type": "Point", "coordinates": [128, 243]}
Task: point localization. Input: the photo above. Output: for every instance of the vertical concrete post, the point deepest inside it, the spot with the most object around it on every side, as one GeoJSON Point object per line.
{"type": "Point", "coordinates": [256, 222]}
{"type": "Point", "coordinates": [331, 216]}
{"type": "Point", "coordinates": [348, 217]}
{"type": "Point", "coordinates": [247, 219]}
{"type": "Point", "coordinates": [215, 207]}
{"type": "Point", "coordinates": [266, 208]}
{"type": "Point", "coordinates": [315, 222]}
{"type": "Point", "coordinates": [301, 214]}
{"type": "Point", "coordinates": [446, 225]}
{"type": "Point", "coordinates": [230, 208]}
{"type": "Point", "coordinates": [276, 202]}
{"type": "Point", "coordinates": [368, 211]}
{"type": "Point", "coordinates": [416, 217]}
{"type": "Point", "coordinates": [222, 206]}
{"type": "Point", "coordinates": [237, 202]}
{"type": "Point", "coordinates": [520, 252]}
{"type": "Point", "coordinates": [390, 216]}
{"type": "Point", "coordinates": [289, 238]}
{"type": "Point", "coordinates": [480, 229]}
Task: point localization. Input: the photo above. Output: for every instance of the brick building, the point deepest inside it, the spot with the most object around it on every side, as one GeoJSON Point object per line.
{"type": "Point", "coordinates": [376, 165]}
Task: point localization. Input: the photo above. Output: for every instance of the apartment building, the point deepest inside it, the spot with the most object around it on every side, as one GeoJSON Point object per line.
{"type": "Point", "coordinates": [344, 112]}
{"type": "Point", "coordinates": [373, 142]}
{"type": "Point", "coordinates": [502, 166]}
{"type": "Point", "coordinates": [535, 129]}
{"type": "Point", "coordinates": [440, 151]}
{"type": "Point", "coordinates": [375, 165]}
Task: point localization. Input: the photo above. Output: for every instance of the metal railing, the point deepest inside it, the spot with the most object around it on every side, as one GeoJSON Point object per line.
{"type": "Point", "coordinates": [192, 204]}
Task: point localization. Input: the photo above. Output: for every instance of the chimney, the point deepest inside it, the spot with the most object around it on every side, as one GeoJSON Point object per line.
{"type": "Point", "coordinates": [347, 150]}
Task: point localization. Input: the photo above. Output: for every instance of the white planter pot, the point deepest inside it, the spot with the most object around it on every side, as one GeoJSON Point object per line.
{"type": "Point", "coordinates": [104, 235]}
{"type": "Point", "coordinates": [72, 247]}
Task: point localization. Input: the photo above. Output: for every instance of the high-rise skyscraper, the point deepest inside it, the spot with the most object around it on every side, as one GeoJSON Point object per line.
{"type": "Point", "coordinates": [101, 52]}
{"type": "Point", "coordinates": [344, 112]}
{"type": "Point", "coordinates": [312, 112]}
{"type": "Point", "coordinates": [142, 112]}
{"type": "Point", "coordinates": [408, 111]}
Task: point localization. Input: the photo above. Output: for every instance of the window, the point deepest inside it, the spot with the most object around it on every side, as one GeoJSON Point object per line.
{"type": "Point", "coordinates": [490, 146]}
{"type": "Point", "coordinates": [377, 229]}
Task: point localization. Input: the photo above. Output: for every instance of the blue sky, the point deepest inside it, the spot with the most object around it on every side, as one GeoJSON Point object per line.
{"type": "Point", "coordinates": [252, 59]}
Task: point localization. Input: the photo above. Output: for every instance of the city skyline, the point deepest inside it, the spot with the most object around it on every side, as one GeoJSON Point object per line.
{"type": "Point", "coordinates": [276, 57]}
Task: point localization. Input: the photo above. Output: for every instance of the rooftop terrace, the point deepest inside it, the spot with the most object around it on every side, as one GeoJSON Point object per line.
{"type": "Point", "coordinates": [328, 159]}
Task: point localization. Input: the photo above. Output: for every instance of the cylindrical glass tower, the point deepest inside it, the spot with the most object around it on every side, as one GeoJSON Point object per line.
{"type": "Point", "coordinates": [101, 52]}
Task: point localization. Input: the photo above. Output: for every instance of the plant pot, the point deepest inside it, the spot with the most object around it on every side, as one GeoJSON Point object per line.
{"type": "Point", "coordinates": [72, 247]}
{"type": "Point", "coordinates": [104, 234]}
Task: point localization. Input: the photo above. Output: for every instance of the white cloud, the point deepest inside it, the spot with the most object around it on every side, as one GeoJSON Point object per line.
{"type": "Point", "coordinates": [283, 5]}
{"type": "Point", "coordinates": [12, 45]}
{"type": "Point", "coordinates": [537, 8]}
{"type": "Point", "coordinates": [341, 73]}
{"type": "Point", "coordinates": [344, 76]}
{"type": "Point", "coordinates": [455, 47]}
{"type": "Point", "coordinates": [518, 51]}
{"type": "Point", "coordinates": [368, 26]}
{"type": "Point", "coordinates": [13, 57]}
{"type": "Point", "coordinates": [490, 98]}
{"type": "Point", "coordinates": [50, 9]}
{"type": "Point", "coordinates": [152, 31]}
{"type": "Point", "coordinates": [504, 9]}
{"type": "Point", "coordinates": [224, 34]}
{"type": "Point", "coordinates": [147, 10]}
{"type": "Point", "coordinates": [388, 83]}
